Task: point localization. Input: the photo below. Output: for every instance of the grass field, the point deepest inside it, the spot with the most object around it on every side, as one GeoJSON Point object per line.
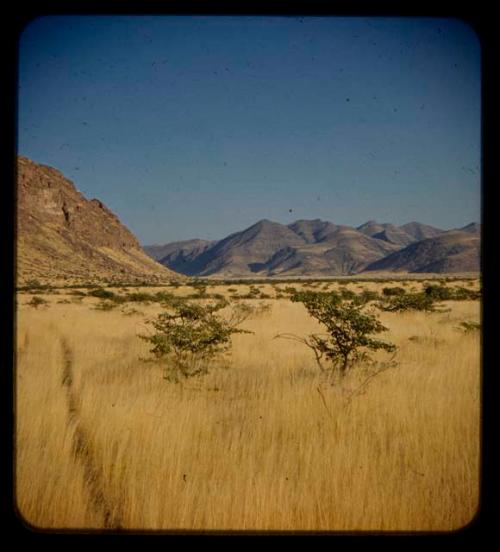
{"type": "Point", "coordinates": [262, 442]}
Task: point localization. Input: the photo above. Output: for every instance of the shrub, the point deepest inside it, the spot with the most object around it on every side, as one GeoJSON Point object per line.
{"type": "Point", "coordinates": [442, 293]}
{"type": "Point", "coordinates": [347, 294]}
{"type": "Point", "coordinates": [392, 291]}
{"type": "Point", "coordinates": [348, 331]}
{"type": "Point", "coordinates": [105, 306]}
{"type": "Point", "coordinates": [439, 293]}
{"type": "Point", "coordinates": [32, 284]}
{"type": "Point", "coordinates": [469, 327]}
{"type": "Point", "coordinates": [141, 297]}
{"type": "Point", "coordinates": [189, 337]}
{"type": "Point", "coordinates": [37, 302]}
{"type": "Point", "coordinates": [464, 294]}
{"type": "Point", "coordinates": [366, 296]}
{"type": "Point", "coordinates": [162, 296]}
{"type": "Point", "coordinates": [101, 293]}
{"type": "Point", "coordinates": [408, 302]}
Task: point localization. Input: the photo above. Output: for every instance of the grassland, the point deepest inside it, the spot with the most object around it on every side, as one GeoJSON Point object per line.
{"type": "Point", "coordinates": [262, 442]}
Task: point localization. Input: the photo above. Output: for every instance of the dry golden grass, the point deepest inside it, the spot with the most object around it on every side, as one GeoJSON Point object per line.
{"type": "Point", "coordinates": [263, 443]}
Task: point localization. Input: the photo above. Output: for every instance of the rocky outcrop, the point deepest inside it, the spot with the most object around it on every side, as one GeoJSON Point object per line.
{"type": "Point", "coordinates": [63, 236]}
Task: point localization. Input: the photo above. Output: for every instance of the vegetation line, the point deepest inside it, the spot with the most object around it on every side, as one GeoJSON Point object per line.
{"type": "Point", "coordinates": [82, 447]}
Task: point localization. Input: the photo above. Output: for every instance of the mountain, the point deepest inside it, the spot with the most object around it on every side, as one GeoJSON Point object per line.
{"type": "Point", "coordinates": [371, 228]}
{"type": "Point", "coordinates": [305, 247]}
{"type": "Point", "coordinates": [179, 255]}
{"type": "Point", "coordinates": [313, 231]}
{"type": "Point", "coordinates": [188, 248]}
{"type": "Point", "coordinates": [395, 235]}
{"type": "Point", "coordinates": [452, 251]}
{"type": "Point", "coordinates": [322, 248]}
{"type": "Point", "coordinates": [340, 251]}
{"type": "Point", "coordinates": [399, 235]}
{"type": "Point", "coordinates": [245, 252]}
{"type": "Point", "coordinates": [61, 235]}
{"type": "Point", "coordinates": [421, 231]}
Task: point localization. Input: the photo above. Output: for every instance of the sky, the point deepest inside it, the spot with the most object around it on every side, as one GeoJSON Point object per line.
{"type": "Point", "coordinates": [199, 126]}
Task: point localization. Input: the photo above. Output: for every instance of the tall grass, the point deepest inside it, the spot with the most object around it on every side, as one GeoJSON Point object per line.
{"type": "Point", "coordinates": [262, 442]}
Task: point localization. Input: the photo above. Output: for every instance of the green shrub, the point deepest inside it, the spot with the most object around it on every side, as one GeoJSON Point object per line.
{"type": "Point", "coordinates": [189, 337]}
{"type": "Point", "coordinates": [408, 302]}
{"type": "Point", "coordinates": [464, 294]}
{"type": "Point", "coordinates": [347, 294]}
{"type": "Point", "coordinates": [348, 331]}
{"type": "Point", "coordinates": [442, 293]}
{"type": "Point", "coordinates": [366, 296]}
{"type": "Point", "coordinates": [392, 291]}
{"type": "Point", "coordinates": [101, 293]}
{"type": "Point", "coordinates": [439, 293]}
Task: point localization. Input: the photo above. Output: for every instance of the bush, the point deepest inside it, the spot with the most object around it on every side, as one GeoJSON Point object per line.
{"type": "Point", "coordinates": [101, 293]}
{"type": "Point", "coordinates": [347, 294]}
{"type": "Point", "coordinates": [189, 337]}
{"type": "Point", "coordinates": [348, 331]}
{"type": "Point", "coordinates": [366, 296]}
{"type": "Point", "coordinates": [161, 296]}
{"type": "Point", "coordinates": [105, 306]}
{"type": "Point", "coordinates": [469, 327]}
{"type": "Point", "coordinates": [442, 293]}
{"type": "Point", "coordinates": [393, 291]}
{"type": "Point", "coordinates": [464, 294]}
{"type": "Point", "coordinates": [141, 297]}
{"type": "Point", "coordinates": [37, 302]}
{"type": "Point", "coordinates": [439, 293]}
{"type": "Point", "coordinates": [408, 302]}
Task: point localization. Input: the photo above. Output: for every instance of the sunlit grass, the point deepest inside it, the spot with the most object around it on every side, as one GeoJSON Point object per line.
{"type": "Point", "coordinates": [262, 442]}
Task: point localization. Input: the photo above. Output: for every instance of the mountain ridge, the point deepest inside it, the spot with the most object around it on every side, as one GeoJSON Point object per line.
{"type": "Point", "coordinates": [312, 247]}
{"type": "Point", "coordinates": [62, 235]}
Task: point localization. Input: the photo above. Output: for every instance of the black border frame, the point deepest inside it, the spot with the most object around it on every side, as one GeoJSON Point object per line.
{"type": "Point", "coordinates": [479, 17]}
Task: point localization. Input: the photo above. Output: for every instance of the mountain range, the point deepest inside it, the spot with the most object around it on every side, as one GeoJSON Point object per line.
{"type": "Point", "coordinates": [61, 235]}
{"type": "Point", "coordinates": [322, 248]}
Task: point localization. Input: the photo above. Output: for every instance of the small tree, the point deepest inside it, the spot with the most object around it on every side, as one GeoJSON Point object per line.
{"type": "Point", "coordinates": [348, 331]}
{"type": "Point", "coordinates": [188, 336]}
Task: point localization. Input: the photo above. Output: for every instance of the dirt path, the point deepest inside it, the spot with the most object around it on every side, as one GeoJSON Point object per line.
{"type": "Point", "coordinates": [82, 447]}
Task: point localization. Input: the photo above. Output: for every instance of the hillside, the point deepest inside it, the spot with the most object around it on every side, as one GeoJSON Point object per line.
{"type": "Point", "coordinates": [179, 256]}
{"type": "Point", "coordinates": [245, 252]}
{"type": "Point", "coordinates": [453, 251]}
{"type": "Point", "coordinates": [62, 236]}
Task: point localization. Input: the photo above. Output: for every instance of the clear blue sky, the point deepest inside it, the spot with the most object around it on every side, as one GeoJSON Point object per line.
{"type": "Point", "coordinates": [200, 126]}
